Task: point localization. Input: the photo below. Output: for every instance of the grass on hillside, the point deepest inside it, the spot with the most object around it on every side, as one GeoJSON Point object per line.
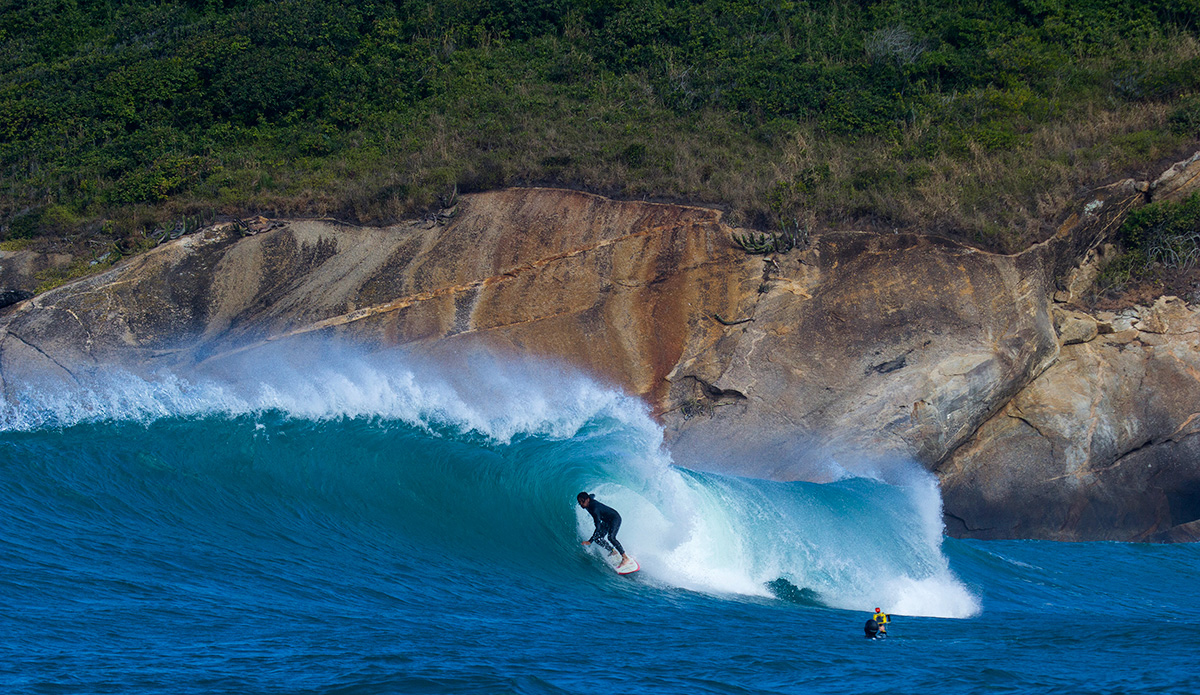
{"type": "Point", "coordinates": [982, 120]}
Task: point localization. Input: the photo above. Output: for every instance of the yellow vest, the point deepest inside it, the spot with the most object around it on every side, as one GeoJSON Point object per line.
{"type": "Point", "coordinates": [881, 618]}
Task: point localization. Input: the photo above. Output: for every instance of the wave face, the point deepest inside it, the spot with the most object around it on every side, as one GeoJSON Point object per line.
{"type": "Point", "coordinates": [485, 460]}
{"type": "Point", "coordinates": [310, 518]}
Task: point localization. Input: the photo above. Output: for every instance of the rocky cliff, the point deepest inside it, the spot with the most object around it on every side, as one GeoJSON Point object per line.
{"type": "Point", "coordinates": [1100, 446]}
{"type": "Point", "coordinates": [864, 347]}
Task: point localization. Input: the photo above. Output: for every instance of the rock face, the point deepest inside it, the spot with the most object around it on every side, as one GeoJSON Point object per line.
{"type": "Point", "coordinates": [1041, 421]}
{"type": "Point", "coordinates": [1100, 446]}
{"type": "Point", "coordinates": [615, 288]}
{"type": "Point", "coordinates": [842, 347]}
{"type": "Point", "coordinates": [848, 351]}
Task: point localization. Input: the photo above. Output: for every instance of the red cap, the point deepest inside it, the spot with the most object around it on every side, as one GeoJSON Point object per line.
{"type": "Point", "coordinates": [876, 610]}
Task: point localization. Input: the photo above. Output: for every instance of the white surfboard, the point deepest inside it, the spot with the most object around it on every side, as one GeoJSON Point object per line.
{"type": "Point", "coordinates": [614, 561]}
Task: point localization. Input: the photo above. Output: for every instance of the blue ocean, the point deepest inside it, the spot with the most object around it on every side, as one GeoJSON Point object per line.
{"type": "Point", "coordinates": [335, 521]}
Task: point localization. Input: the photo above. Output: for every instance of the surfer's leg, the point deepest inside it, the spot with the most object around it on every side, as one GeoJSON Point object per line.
{"type": "Point", "coordinates": [604, 530]}
{"type": "Point", "coordinates": [612, 536]}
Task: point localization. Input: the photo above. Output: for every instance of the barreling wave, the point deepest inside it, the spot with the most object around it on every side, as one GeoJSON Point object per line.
{"type": "Point", "coordinates": [478, 462]}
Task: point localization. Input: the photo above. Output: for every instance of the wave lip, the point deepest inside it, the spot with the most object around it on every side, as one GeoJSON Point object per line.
{"type": "Point", "coordinates": [496, 399]}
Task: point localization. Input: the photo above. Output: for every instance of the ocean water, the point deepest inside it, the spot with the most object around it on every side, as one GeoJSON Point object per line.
{"type": "Point", "coordinates": [318, 520]}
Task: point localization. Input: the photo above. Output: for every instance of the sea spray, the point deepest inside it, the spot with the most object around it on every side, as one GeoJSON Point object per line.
{"type": "Point", "coordinates": [854, 544]}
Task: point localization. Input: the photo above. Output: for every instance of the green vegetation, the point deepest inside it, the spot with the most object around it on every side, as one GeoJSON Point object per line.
{"type": "Point", "coordinates": [1157, 240]}
{"type": "Point", "coordinates": [793, 236]}
{"type": "Point", "coordinates": [978, 118]}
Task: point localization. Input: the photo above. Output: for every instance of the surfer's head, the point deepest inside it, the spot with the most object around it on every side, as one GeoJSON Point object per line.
{"type": "Point", "coordinates": [583, 498]}
{"type": "Point", "coordinates": [876, 610]}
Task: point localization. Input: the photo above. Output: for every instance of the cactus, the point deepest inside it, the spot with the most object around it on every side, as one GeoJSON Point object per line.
{"type": "Point", "coordinates": [792, 236]}
{"type": "Point", "coordinates": [755, 243]}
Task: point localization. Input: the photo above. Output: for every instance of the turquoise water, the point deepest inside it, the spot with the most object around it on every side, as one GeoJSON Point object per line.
{"type": "Point", "coordinates": [324, 522]}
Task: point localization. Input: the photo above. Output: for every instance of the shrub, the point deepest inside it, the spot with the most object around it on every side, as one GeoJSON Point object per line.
{"type": "Point", "coordinates": [1161, 236]}
{"type": "Point", "coordinates": [157, 182]}
{"type": "Point", "coordinates": [25, 226]}
{"type": "Point", "coordinates": [1185, 118]}
{"type": "Point", "coordinates": [1162, 225]}
{"type": "Point", "coordinates": [1120, 271]}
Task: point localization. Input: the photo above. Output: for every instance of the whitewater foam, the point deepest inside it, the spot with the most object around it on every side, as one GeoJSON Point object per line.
{"type": "Point", "coordinates": [737, 536]}
{"type": "Point", "coordinates": [496, 399]}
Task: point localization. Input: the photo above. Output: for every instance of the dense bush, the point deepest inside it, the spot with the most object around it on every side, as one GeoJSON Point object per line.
{"type": "Point", "coordinates": [1168, 233]}
{"type": "Point", "coordinates": [1159, 237]}
{"type": "Point", "coordinates": [846, 111]}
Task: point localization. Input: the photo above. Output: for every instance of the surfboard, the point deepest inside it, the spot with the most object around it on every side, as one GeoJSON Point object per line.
{"type": "Point", "coordinates": [615, 563]}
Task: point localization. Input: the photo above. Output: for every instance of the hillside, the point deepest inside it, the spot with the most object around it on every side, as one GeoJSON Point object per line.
{"type": "Point", "coordinates": [983, 121]}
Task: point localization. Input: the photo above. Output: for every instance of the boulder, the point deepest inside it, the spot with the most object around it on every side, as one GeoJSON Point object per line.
{"type": "Point", "coordinates": [1179, 181]}
{"type": "Point", "coordinates": [1167, 315]}
{"type": "Point", "coordinates": [1074, 326]}
{"type": "Point", "coordinates": [19, 270]}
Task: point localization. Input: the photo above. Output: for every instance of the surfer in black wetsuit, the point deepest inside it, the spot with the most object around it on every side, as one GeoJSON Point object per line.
{"type": "Point", "coordinates": [607, 521]}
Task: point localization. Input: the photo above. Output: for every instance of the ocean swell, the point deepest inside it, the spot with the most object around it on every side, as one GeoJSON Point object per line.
{"type": "Point", "coordinates": [481, 460]}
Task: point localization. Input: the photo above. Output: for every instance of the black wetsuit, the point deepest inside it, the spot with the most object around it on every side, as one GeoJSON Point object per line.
{"type": "Point", "coordinates": [608, 522]}
{"type": "Point", "coordinates": [871, 628]}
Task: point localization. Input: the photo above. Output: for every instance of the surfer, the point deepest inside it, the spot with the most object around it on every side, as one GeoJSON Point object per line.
{"type": "Point", "coordinates": [607, 521]}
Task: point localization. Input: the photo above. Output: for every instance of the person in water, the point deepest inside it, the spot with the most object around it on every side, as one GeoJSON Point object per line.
{"type": "Point", "coordinates": [607, 521]}
{"type": "Point", "coordinates": [871, 629]}
{"type": "Point", "coordinates": [881, 619]}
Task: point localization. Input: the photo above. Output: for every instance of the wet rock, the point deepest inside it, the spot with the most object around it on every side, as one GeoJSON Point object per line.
{"type": "Point", "coordinates": [10, 297]}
